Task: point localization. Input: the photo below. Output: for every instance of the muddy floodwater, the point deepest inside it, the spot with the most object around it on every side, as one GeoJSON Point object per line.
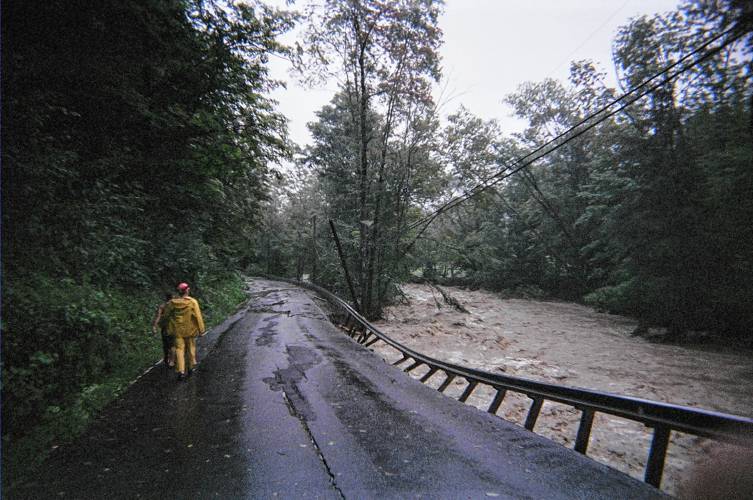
{"type": "Point", "coordinates": [574, 345]}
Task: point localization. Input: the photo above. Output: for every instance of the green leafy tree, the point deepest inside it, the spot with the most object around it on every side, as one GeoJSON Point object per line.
{"type": "Point", "coordinates": [659, 214]}
{"type": "Point", "coordinates": [137, 140]}
{"type": "Point", "coordinates": [383, 55]}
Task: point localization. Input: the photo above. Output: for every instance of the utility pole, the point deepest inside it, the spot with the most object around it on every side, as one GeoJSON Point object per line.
{"type": "Point", "coordinates": [313, 249]}
{"type": "Point", "coordinates": [345, 266]}
{"type": "Point", "coordinates": [269, 258]}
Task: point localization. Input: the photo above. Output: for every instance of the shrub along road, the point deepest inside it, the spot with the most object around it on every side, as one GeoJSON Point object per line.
{"type": "Point", "coordinates": [284, 404]}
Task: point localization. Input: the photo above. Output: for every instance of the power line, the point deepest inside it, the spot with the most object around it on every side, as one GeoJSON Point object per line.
{"type": "Point", "coordinates": [506, 172]}
{"type": "Point", "coordinates": [589, 37]}
{"type": "Point", "coordinates": [482, 186]}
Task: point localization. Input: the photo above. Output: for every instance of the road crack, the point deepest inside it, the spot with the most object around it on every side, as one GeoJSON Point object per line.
{"type": "Point", "coordinates": [307, 430]}
{"type": "Point", "coordinates": [267, 292]}
{"type": "Point", "coordinates": [267, 310]}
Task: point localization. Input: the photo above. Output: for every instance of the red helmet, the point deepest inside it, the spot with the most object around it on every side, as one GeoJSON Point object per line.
{"type": "Point", "coordinates": [182, 287]}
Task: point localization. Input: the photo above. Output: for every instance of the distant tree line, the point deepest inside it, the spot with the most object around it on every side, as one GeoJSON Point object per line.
{"type": "Point", "coordinates": [648, 214]}
{"type": "Point", "coordinates": [137, 139]}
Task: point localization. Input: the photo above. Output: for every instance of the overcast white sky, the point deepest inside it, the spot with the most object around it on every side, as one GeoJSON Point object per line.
{"type": "Point", "coordinates": [492, 46]}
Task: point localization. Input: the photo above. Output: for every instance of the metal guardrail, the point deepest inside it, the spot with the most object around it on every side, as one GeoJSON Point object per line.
{"type": "Point", "coordinates": [662, 417]}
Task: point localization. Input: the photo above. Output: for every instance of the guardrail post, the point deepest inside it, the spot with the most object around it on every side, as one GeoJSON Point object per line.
{"type": "Point", "coordinates": [415, 365]}
{"type": "Point", "coordinates": [372, 341]}
{"type": "Point", "coordinates": [364, 336]}
{"type": "Point", "coordinates": [346, 318]}
{"type": "Point", "coordinates": [533, 413]}
{"type": "Point", "coordinates": [468, 390]}
{"type": "Point", "coordinates": [584, 430]}
{"type": "Point", "coordinates": [655, 464]}
{"type": "Point", "coordinates": [428, 374]}
{"type": "Point", "coordinates": [400, 360]}
{"type": "Point", "coordinates": [497, 401]}
{"type": "Point", "coordinates": [358, 333]}
{"type": "Point", "coordinates": [447, 382]}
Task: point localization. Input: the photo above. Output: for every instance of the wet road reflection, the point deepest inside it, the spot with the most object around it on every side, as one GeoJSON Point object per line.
{"type": "Point", "coordinates": [284, 405]}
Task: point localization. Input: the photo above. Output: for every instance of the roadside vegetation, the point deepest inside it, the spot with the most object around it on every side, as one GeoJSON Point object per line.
{"type": "Point", "coordinates": [139, 145]}
{"type": "Point", "coordinates": [646, 214]}
{"type": "Point", "coordinates": [138, 142]}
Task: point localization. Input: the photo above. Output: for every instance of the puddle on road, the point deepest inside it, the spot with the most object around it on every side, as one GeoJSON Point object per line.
{"type": "Point", "coordinates": [267, 333]}
{"type": "Point", "coordinates": [300, 359]}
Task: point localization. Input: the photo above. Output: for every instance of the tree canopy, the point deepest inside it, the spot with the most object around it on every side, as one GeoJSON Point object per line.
{"type": "Point", "coordinates": [138, 143]}
{"type": "Point", "coordinates": [141, 148]}
{"type": "Point", "coordinates": [644, 214]}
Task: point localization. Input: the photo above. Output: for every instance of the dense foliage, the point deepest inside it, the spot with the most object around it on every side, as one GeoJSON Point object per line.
{"type": "Point", "coordinates": [137, 138]}
{"type": "Point", "coordinates": [647, 214]}
{"type": "Point", "coordinates": [376, 133]}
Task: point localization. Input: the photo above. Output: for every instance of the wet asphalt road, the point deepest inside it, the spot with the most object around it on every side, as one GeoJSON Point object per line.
{"type": "Point", "coordinates": [283, 405]}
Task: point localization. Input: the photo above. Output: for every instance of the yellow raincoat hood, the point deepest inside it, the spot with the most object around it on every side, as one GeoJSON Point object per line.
{"type": "Point", "coordinates": [183, 317]}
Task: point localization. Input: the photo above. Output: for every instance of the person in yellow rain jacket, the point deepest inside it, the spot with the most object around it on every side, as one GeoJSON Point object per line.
{"type": "Point", "coordinates": [184, 322]}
